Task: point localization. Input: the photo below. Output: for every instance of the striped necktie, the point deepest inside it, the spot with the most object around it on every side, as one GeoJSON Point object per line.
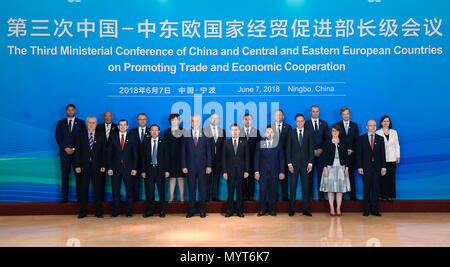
{"type": "Point", "coordinates": [91, 140]}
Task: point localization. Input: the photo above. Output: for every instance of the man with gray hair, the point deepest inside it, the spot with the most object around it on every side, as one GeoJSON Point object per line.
{"type": "Point", "coordinates": [90, 164]}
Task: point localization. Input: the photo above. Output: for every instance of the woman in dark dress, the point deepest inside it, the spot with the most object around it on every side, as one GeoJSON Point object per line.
{"type": "Point", "coordinates": [173, 139]}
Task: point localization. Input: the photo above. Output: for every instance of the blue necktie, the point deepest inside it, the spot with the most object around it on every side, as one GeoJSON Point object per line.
{"type": "Point", "coordinates": [154, 153]}
{"type": "Point", "coordinates": [300, 138]}
{"type": "Point", "coordinates": [142, 135]}
{"type": "Point", "coordinates": [346, 128]}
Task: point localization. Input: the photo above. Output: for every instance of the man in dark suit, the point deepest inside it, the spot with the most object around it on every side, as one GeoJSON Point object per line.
{"type": "Point", "coordinates": [66, 131]}
{"type": "Point", "coordinates": [90, 163]}
{"type": "Point", "coordinates": [235, 165]}
{"type": "Point", "coordinates": [155, 168]}
{"type": "Point", "coordinates": [139, 134]}
{"type": "Point", "coordinates": [252, 136]}
{"type": "Point", "coordinates": [281, 133]}
{"type": "Point", "coordinates": [300, 158]}
{"type": "Point", "coordinates": [319, 129]}
{"type": "Point", "coordinates": [371, 160]}
{"type": "Point", "coordinates": [269, 167]}
{"type": "Point", "coordinates": [122, 162]}
{"type": "Point", "coordinates": [107, 128]}
{"type": "Point", "coordinates": [216, 136]}
{"type": "Point", "coordinates": [350, 134]}
{"type": "Point", "coordinates": [196, 163]}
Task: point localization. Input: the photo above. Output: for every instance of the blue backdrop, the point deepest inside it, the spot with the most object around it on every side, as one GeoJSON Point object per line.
{"type": "Point", "coordinates": [401, 68]}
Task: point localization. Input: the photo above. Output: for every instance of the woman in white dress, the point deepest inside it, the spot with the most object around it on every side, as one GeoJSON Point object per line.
{"type": "Point", "coordinates": [392, 147]}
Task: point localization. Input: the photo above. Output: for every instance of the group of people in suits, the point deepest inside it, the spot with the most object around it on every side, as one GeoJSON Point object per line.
{"type": "Point", "coordinates": [203, 156]}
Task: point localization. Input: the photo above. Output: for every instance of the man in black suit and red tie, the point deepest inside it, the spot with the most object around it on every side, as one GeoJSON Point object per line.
{"type": "Point", "coordinates": [140, 133]}
{"type": "Point", "coordinates": [350, 134]}
{"type": "Point", "coordinates": [155, 169]}
{"type": "Point", "coordinates": [66, 131]}
{"type": "Point", "coordinates": [319, 129]}
{"type": "Point", "coordinates": [196, 163]}
{"type": "Point", "coordinates": [300, 158]}
{"type": "Point", "coordinates": [281, 134]}
{"type": "Point", "coordinates": [371, 160]}
{"type": "Point", "coordinates": [90, 164]}
{"type": "Point", "coordinates": [252, 136]}
{"type": "Point", "coordinates": [122, 163]}
{"type": "Point", "coordinates": [235, 166]}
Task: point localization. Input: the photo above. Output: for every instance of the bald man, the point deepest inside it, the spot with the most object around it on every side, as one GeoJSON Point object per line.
{"type": "Point", "coordinates": [371, 161]}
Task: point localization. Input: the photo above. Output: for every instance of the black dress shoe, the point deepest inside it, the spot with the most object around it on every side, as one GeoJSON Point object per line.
{"type": "Point", "coordinates": [273, 213]}
{"type": "Point", "coordinates": [81, 216]}
{"type": "Point", "coordinates": [291, 213]}
{"type": "Point", "coordinates": [189, 215]}
{"type": "Point", "coordinates": [261, 213]}
{"type": "Point", "coordinates": [366, 213]}
{"type": "Point", "coordinates": [114, 215]}
{"type": "Point", "coordinates": [202, 214]}
{"type": "Point", "coordinates": [307, 213]}
{"type": "Point", "coordinates": [64, 200]}
{"type": "Point", "coordinates": [375, 213]}
{"type": "Point", "coordinates": [129, 215]}
{"type": "Point", "coordinates": [148, 214]}
{"type": "Point", "coordinates": [240, 215]}
{"type": "Point", "coordinates": [162, 214]}
{"type": "Point", "coordinates": [285, 199]}
{"type": "Point", "coordinates": [99, 215]}
{"type": "Point", "coordinates": [228, 215]}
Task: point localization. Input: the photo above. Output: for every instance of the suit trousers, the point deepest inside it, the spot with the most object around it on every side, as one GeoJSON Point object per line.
{"type": "Point", "coordinates": [116, 183]}
{"type": "Point", "coordinates": [66, 163]}
{"type": "Point", "coordinates": [98, 183]}
{"type": "Point", "coordinates": [214, 180]}
{"type": "Point", "coordinates": [267, 184]}
{"type": "Point", "coordinates": [304, 179]}
{"type": "Point", "coordinates": [197, 177]}
{"type": "Point", "coordinates": [371, 189]}
{"type": "Point", "coordinates": [154, 178]}
{"type": "Point", "coordinates": [235, 182]}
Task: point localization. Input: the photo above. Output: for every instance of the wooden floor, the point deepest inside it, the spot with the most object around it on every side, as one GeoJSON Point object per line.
{"type": "Point", "coordinates": [352, 229]}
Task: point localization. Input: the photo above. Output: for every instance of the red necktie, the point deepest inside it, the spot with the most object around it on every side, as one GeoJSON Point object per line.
{"type": "Point", "coordinates": [122, 142]}
{"type": "Point", "coordinates": [70, 126]}
{"type": "Point", "coordinates": [371, 141]}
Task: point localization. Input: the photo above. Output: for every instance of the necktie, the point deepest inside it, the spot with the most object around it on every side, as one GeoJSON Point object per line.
{"type": "Point", "coordinates": [70, 126]}
{"type": "Point", "coordinates": [142, 135]}
{"type": "Point", "coordinates": [346, 128]}
{"type": "Point", "coordinates": [316, 126]}
{"type": "Point", "coordinates": [154, 153]}
{"type": "Point", "coordinates": [279, 129]}
{"type": "Point", "coordinates": [195, 139]}
{"type": "Point", "coordinates": [108, 129]}
{"type": "Point", "coordinates": [371, 141]}
{"type": "Point", "coordinates": [235, 146]}
{"type": "Point", "coordinates": [122, 142]}
{"type": "Point", "coordinates": [269, 144]}
{"type": "Point", "coordinates": [91, 140]}
{"type": "Point", "coordinates": [300, 137]}
{"type": "Point", "coordinates": [214, 134]}
{"type": "Point", "coordinates": [246, 135]}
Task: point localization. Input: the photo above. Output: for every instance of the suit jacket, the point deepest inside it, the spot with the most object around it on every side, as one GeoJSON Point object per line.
{"type": "Point", "coordinates": [84, 155]}
{"type": "Point", "coordinates": [300, 156]}
{"type": "Point", "coordinates": [216, 146]}
{"type": "Point", "coordinates": [329, 151]}
{"type": "Point", "coordinates": [195, 156]}
{"type": "Point", "coordinates": [135, 133]}
{"type": "Point", "coordinates": [351, 139]}
{"type": "Point", "coordinates": [239, 161]}
{"type": "Point", "coordinates": [253, 139]}
{"type": "Point", "coordinates": [269, 161]}
{"type": "Point", "coordinates": [365, 153]}
{"type": "Point", "coordinates": [319, 137]}
{"type": "Point", "coordinates": [129, 155]}
{"type": "Point", "coordinates": [101, 128]}
{"type": "Point", "coordinates": [162, 156]}
{"type": "Point", "coordinates": [283, 138]}
{"type": "Point", "coordinates": [392, 146]}
{"type": "Point", "coordinates": [63, 138]}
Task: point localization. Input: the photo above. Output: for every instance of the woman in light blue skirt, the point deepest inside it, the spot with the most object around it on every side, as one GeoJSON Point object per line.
{"type": "Point", "coordinates": [335, 177]}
